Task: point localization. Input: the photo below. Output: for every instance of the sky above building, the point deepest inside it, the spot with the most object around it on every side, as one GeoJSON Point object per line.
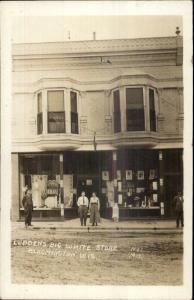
{"type": "Point", "coordinates": [27, 29]}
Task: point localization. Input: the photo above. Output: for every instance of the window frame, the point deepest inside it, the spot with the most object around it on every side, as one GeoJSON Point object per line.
{"type": "Point", "coordinates": [39, 114]}
{"type": "Point", "coordinates": [116, 113]}
{"type": "Point", "coordinates": [56, 112]}
{"type": "Point", "coordinates": [144, 105]}
{"type": "Point", "coordinates": [74, 114]}
{"type": "Point", "coordinates": [155, 108]}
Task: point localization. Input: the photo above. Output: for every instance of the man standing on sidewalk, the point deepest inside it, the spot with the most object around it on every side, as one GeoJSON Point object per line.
{"type": "Point", "coordinates": [82, 204]}
{"type": "Point", "coordinates": [178, 204]}
{"type": "Point", "coordinates": [28, 207]}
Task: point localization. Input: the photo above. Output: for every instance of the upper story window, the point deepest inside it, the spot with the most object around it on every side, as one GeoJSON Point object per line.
{"type": "Point", "coordinates": [135, 118]}
{"type": "Point", "coordinates": [74, 112]}
{"type": "Point", "coordinates": [56, 112]}
{"type": "Point", "coordinates": [117, 112]}
{"type": "Point", "coordinates": [39, 114]}
{"type": "Point", "coordinates": [152, 110]}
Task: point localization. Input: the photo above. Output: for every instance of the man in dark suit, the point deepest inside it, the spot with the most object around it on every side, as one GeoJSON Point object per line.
{"type": "Point", "coordinates": [178, 205]}
{"type": "Point", "coordinates": [28, 207]}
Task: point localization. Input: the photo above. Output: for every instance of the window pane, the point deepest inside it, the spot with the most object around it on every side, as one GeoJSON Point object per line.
{"type": "Point", "coordinates": [135, 120]}
{"type": "Point", "coordinates": [117, 122]}
{"type": "Point", "coordinates": [134, 98]}
{"type": "Point", "coordinates": [73, 96]}
{"type": "Point", "coordinates": [39, 123]}
{"type": "Point", "coordinates": [56, 122]}
{"type": "Point", "coordinates": [74, 122]}
{"type": "Point", "coordinates": [116, 101]}
{"type": "Point", "coordinates": [39, 102]}
{"type": "Point", "coordinates": [152, 110]}
{"type": "Point", "coordinates": [55, 101]}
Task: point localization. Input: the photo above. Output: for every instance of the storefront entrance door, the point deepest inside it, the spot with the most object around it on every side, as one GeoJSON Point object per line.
{"type": "Point", "coordinates": [88, 184]}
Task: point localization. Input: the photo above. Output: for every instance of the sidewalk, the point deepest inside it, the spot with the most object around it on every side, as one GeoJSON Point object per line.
{"type": "Point", "coordinates": [105, 225]}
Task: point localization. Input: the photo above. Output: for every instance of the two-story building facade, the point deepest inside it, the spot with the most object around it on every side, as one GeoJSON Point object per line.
{"type": "Point", "coordinates": [99, 115]}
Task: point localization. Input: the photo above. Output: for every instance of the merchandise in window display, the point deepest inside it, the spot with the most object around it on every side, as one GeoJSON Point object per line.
{"type": "Point", "coordinates": [140, 175]}
{"type": "Point", "coordinates": [152, 174]}
{"type": "Point", "coordinates": [119, 186]}
{"type": "Point", "coordinates": [120, 199]}
{"type": "Point", "coordinates": [118, 175]}
{"type": "Point", "coordinates": [129, 175]}
{"type": "Point", "coordinates": [155, 197]}
{"type": "Point", "coordinates": [155, 185]}
{"type": "Point", "coordinates": [105, 175]}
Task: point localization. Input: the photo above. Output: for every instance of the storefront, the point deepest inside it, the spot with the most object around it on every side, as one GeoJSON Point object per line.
{"type": "Point", "coordinates": [146, 181]}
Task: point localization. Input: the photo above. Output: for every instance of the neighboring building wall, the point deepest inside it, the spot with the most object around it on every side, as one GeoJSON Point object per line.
{"type": "Point", "coordinates": [15, 188]}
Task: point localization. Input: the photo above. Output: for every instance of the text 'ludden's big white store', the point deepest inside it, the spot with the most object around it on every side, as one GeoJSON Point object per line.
{"type": "Point", "coordinates": [98, 115]}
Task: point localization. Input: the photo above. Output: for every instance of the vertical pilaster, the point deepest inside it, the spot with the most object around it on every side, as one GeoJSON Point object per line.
{"type": "Point", "coordinates": [160, 119]}
{"type": "Point", "coordinates": [115, 211]}
{"type": "Point", "coordinates": [114, 174]}
{"type": "Point", "coordinates": [108, 112]}
{"type": "Point", "coordinates": [180, 118]}
{"type": "Point", "coordinates": [61, 183]}
{"type": "Point", "coordinates": [15, 205]}
{"type": "Point", "coordinates": [161, 182]}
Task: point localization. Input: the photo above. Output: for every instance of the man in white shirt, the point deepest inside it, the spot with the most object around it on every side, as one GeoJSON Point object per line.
{"type": "Point", "coordinates": [83, 203]}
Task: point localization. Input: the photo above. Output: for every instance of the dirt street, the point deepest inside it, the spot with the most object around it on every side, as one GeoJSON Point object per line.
{"type": "Point", "coordinates": [48, 256]}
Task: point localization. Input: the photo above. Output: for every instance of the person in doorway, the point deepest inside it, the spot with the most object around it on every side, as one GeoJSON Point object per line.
{"type": "Point", "coordinates": [82, 204]}
{"type": "Point", "coordinates": [178, 205]}
{"type": "Point", "coordinates": [94, 210]}
{"type": "Point", "coordinates": [28, 207]}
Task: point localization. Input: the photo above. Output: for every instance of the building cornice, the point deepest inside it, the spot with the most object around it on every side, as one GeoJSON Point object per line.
{"type": "Point", "coordinates": [95, 46]}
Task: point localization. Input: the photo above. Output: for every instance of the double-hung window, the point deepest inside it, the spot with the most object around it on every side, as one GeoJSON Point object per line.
{"type": "Point", "coordinates": [39, 114]}
{"type": "Point", "coordinates": [74, 113]}
{"type": "Point", "coordinates": [117, 111]}
{"type": "Point", "coordinates": [152, 110]}
{"type": "Point", "coordinates": [135, 118]}
{"type": "Point", "coordinates": [56, 112]}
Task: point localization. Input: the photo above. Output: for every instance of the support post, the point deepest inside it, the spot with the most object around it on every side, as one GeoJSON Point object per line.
{"type": "Point", "coordinates": [61, 183]}
{"type": "Point", "coordinates": [115, 215]}
{"type": "Point", "coordinates": [161, 182]}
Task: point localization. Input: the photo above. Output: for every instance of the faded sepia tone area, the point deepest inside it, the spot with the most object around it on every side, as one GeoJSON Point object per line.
{"type": "Point", "coordinates": [97, 150]}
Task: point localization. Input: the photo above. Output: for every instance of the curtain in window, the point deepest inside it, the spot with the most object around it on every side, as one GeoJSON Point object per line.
{"type": "Point", "coordinates": [56, 122]}
{"type": "Point", "coordinates": [55, 101]}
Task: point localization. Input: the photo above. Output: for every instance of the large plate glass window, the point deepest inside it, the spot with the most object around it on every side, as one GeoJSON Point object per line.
{"type": "Point", "coordinates": [56, 112]}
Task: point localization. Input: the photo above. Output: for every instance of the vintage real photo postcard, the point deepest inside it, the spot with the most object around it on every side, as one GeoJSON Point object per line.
{"type": "Point", "coordinates": [96, 178]}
